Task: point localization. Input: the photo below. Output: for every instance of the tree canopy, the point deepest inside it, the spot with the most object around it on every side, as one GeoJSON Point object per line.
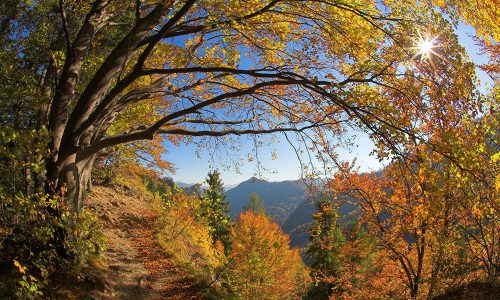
{"type": "Point", "coordinates": [104, 73]}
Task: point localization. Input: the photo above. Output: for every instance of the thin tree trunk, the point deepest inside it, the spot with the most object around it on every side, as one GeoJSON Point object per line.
{"type": "Point", "coordinates": [47, 84]}
{"type": "Point", "coordinates": [27, 177]}
{"type": "Point", "coordinates": [435, 273]}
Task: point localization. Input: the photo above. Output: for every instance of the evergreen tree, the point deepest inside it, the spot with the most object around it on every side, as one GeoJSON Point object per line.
{"type": "Point", "coordinates": [255, 204]}
{"type": "Point", "coordinates": [324, 250]}
{"type": "Point", "coordinates": [215, 209]}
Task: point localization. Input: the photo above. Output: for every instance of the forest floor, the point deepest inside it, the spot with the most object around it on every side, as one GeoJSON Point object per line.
{"type": "Point", "coordinates": [134, 266]}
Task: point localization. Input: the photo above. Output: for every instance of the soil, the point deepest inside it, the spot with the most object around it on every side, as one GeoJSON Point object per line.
{"type": "Point", "coordinates": [134, 266]}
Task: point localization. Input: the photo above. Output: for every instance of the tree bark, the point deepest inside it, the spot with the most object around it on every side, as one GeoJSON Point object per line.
{"type": "Point", "coordinates": [85, 168]}
{"type": "Point", "coordinates": [68, 181]}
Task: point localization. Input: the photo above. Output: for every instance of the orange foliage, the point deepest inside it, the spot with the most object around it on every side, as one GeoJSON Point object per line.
{"type": "Point", "coordinates": [187, 239]}
{"type": "Point", "coordinates": [262, 265]}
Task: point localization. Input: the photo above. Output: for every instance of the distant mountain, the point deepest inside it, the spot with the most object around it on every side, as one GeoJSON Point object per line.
{"type": "Point", "coordinates": [227, 187]}
{"type": "Point", "coordinates": [183, 184]}
{"type": "Point", "coordinates": [191, 189]}
{"type": "Point", "coordinates": [279, 198]}
{"type": "Point", "coordinates": [203, 185]}
{"type": "Point", "coordinates": [286, 202]}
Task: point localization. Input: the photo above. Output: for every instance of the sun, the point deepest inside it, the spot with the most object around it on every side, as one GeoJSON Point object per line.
{"type": "Point", "coordinates": [424, 48]}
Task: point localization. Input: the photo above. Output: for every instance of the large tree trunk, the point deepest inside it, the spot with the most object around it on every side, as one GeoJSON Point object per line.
{"type": "Point", "coordinates": [73, 178]}
{"type": "Point", "coordinates": [68, 181]}
{"type": "Point", "coordinates": [68, 174]}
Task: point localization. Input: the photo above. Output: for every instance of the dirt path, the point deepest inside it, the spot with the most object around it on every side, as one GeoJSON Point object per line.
{"type": "Point", "coordinates": [137, 267]}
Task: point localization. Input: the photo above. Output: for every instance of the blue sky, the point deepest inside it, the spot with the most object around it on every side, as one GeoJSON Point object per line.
{"type": "Point", "coordinates": [236, 168]}
{"type": "Point", "coordinates": [192, 166]}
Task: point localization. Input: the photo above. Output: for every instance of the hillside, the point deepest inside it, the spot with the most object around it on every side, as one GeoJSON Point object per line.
{"type": "Point", "coordinates": [299, 222]}
{"type": "Point", "coordinates": [135, 266]}
{"type": "Point", "coordinates": [279, 198]}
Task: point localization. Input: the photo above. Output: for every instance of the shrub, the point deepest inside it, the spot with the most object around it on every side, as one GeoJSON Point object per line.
{"type": "Point", "coordinates": [188, 239]}
{"type": "Point", "coordinates": [39, 240]}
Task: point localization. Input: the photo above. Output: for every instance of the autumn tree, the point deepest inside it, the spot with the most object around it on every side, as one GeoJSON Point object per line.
{"type": "Point", "coordinates": [435, 218]}
{"type": "Point", "coordinates": [393, 215]}
{"type": "Point", "coordinates": [107, 73]}
{"type": "Point", "coordinates": [477, 191]}
{"type": "Point", "coordinates": [94, 78]}
{"type": "Point", "coordinates": [187, 238]}
{"type": "Point", "coordinates": [214, 209]}
{"type": "Point", "coordinates": [261, 263]}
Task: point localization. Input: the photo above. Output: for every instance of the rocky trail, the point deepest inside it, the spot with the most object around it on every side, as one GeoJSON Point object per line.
{"type": "Point", "coordinates": [136, 267]}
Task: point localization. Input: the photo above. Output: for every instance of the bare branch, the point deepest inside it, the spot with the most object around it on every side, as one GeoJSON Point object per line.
{"type": "Point", "coordinates": [210, 122]}
{"type": "Point", "coordinates": [187, 132]}
{"type": "Point", "coordinates": [65, 28]}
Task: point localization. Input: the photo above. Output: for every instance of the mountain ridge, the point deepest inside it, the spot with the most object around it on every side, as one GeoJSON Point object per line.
{"type": "Point", "coordinates": [279, 198]}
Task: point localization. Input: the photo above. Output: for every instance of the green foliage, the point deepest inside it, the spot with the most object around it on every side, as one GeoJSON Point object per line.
{"type": "Point", "coordinates": [214, 209]}
{"type": "Point", "coordinates": [40, 240]}
{"type": "Point", "coordinates": [324, 251]}
{"type": "Point", "coordinates": [255, 204]}
{"type": "Point", "coordinates": [22, 154]}
{"type": "Point", "coordinates": [340, 255]}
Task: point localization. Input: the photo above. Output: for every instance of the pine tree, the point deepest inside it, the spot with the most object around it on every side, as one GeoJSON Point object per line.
{"type": "Point", "coordinates": [255, 204]}
{"type": "Point", "coordinates": [324, 251]}
{"type": "Point", "coordinates": [214, 209]}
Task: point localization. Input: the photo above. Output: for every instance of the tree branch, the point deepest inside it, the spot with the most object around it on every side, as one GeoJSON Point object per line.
{"type": "Point", "coordinates": [109, 68]}
{"type": "Point", "coordinates": [157, 38]}
{"type": "Point", "coordinates": [210, 122]}
{"type": "Point", "coordinates": [181, 131]}
{"type": "Point", "coordinates": [65, 28]}
{"type": "Point", "coordinates": [153, 129]}
{"type": "Point", "coordinates": [65, 89]}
